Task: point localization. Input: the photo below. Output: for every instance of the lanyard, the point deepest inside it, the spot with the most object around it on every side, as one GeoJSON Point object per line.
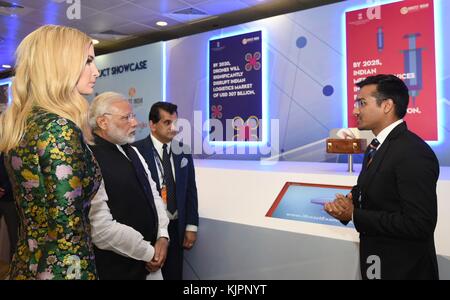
{"type": "Point", "coordinates": [163, 186]}
{"type": "Point", "coordinates": [159, 164]}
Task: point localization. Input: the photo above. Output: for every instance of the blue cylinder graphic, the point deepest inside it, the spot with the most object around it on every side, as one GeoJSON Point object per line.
{"type": "Point", "coordinates": [380, 39]}
{"type": "Point", "coordinates": [413, 64]}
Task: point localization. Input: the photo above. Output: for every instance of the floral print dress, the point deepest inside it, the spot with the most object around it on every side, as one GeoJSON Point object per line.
{"type": "Point", "coordinates": [54, 177]}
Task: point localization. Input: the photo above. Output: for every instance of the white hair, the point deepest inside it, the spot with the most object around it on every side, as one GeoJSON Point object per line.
{"type": "Point", "coordinates": [102, 105]}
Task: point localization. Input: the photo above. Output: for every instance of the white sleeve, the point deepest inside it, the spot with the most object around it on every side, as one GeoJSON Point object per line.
{"type": "Point", "coordinates": [192, 228]}
{"type": "Point", "coordinates": [108, 234]}
{"type": "Point", "coordinates": [163, 219]}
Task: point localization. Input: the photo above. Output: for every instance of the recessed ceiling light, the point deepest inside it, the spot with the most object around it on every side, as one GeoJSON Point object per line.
{"type": "Point", "coordinates": [95, 42]}
{"type": "Point", "coordinates": [10, 9]}
{"type": "Point", "coordinates": [6, 66]}
{"type": "Point", "coordinates": [9, 5]}
{"type": "Point", "coordinates": [161, 23]}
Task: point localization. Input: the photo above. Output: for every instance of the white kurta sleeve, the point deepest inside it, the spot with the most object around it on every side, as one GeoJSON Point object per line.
{"type": "Point", "coordinates": [108, 234]}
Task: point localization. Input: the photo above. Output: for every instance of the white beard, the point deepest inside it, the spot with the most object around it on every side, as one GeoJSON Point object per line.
{"type": "Point", "coordinates": [119, 136]}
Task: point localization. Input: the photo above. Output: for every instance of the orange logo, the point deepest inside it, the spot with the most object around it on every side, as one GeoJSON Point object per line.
{"type": "Point", "coordinates": [132, 92]}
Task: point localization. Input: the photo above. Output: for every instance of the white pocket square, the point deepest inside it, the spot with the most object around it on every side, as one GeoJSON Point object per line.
{"type": "Point", "coordinates": [184, 162]}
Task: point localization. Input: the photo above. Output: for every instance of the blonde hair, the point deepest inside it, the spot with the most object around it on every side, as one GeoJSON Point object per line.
{"type": "Point", "coordinates": [102, 105]}
{"type": "Point", "coordinates": [49, 62]}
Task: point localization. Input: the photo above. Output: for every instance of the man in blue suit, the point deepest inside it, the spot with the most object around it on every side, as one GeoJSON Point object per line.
{"type": "Point", "coordinates": [172, 168]}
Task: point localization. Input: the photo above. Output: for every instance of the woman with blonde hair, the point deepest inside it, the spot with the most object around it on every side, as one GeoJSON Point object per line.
{"type": "Point", "coordinates": [53, 173]}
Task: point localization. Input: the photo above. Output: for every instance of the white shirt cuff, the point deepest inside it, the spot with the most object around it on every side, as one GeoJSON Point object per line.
{"type": "Point", "coordinates": [149, 253]}
{"type": "Point", "coordinates": [192, 228]}
{"type": "Point", "coordinates": [163, 233]}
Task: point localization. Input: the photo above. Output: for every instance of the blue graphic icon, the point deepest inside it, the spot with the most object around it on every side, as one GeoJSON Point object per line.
{"type": "Point", "coordinates": [328, 90]}
{"type": "Point", "coordinates": [380, 39]}
{"type": "Point", "coordinates": [413, 64]}
{"type": "Point", "coordinates": [301, 42]}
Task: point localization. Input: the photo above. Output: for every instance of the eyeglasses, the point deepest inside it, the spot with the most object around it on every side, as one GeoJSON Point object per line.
{"type": "Point", "coordinates": [128, 118]}
{"type": "Point", "coordinates": [359, 103]}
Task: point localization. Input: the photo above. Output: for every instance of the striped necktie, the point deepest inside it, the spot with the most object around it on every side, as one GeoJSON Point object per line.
{"type": "Point", "coordinates": [371, 150]}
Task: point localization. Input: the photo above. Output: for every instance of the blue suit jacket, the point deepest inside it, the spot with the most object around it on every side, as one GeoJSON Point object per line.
{"type": "Point", "coordinates": [186, 188]}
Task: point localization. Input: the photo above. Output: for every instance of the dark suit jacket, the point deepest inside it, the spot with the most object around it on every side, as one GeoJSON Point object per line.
{"type": "Point", "coordinates": [186, 188]}
{"type": "Point", "coordinates": [4, 182]}
{"type": "Point", "coordinates": [397, 212]}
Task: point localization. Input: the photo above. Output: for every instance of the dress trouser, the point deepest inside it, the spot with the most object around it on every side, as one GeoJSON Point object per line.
{"type": "Point", "coordinates": [173, 267]}
{"type": "Point", "coordinates": [8, 210]}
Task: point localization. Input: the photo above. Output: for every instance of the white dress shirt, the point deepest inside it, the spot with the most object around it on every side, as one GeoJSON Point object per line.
{"type": "Point", "coordinates": [159, 148]}
{"type": "Point", "coordinates": [381, 137]}
{"type": "Point", "coordinates": [108, 234]}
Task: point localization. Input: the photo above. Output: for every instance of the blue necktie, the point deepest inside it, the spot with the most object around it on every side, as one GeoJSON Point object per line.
{"type": "Point", "coordinates": [170, 182]}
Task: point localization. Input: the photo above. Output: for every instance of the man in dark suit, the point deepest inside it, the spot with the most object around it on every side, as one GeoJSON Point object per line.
{"type": "Point", "coordinates": [172, 168]}
{"type": "Point", "coordinates": [394, 204]}
{"type": "Point", "coordinates": [8, 208]}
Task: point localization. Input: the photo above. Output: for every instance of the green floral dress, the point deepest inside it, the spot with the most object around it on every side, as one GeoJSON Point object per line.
{"type": "Point", "coordinates": [54, 177]}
